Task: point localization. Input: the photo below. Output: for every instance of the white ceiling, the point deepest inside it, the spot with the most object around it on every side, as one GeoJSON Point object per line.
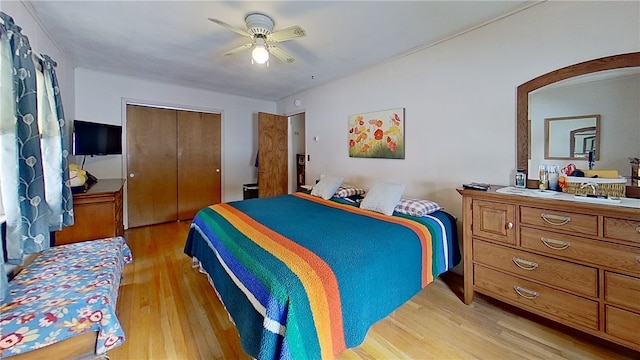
{"type": "Point", "coordinates": [172, 41]}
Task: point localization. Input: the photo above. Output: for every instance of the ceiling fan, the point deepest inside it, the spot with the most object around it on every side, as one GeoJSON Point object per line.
{"type": "Point", "coordinates": [260, 31]}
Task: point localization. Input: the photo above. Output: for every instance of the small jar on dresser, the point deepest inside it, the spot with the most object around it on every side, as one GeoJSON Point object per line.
{"type": "Point", "coordinates": [574, 262]}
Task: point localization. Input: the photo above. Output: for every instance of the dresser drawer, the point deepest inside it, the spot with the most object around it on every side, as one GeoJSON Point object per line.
{"type": "Point", "coordinates": [572, 277]}
{"type": "Point", "coordinates": [622, 324]}
{"type": "Point", "coordinates": [622, 290]}
{"type": "Point", "coordinates": [620, 229]}
{"type": "Point", "coordinates": [560, 220]}
{"type": "Point", "coordinates": [560, 305]}
{"type": "Point", "coordinates": [601, 253]}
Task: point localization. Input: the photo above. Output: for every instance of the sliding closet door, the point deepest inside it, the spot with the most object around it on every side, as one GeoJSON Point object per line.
{"type": "Point", "coordinates": [199, 160]}
{"type": "Point", "coordinates": [152, 165]}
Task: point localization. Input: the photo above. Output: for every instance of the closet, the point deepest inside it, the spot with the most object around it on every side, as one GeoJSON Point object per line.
{"type": "Point", "coordinates": [173, 163]}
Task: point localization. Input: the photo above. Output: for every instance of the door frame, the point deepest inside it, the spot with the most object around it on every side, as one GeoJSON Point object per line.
{"type": "Point", "coordinates": [163, 105]}
{"type": "Point", "coordinates": [292, 154]}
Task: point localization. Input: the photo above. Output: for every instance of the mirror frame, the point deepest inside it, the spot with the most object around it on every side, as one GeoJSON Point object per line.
{"type": "Point", "coordinates": [522, 99]}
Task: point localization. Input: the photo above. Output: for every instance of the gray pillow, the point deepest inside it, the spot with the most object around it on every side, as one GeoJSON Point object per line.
{"type": "Point", "coordinates": [382, 197]}
{"type": "Point", "coordinates": [326, 187]}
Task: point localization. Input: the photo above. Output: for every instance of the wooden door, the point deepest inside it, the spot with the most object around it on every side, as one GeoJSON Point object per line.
{"type": "Point", "coordinates": [494, 221]}
{"type": "Point", "coordinates": [152, 165]}
{"type": "Point", "coordinates": [273, 144]}
{"type": "Point", "coordinates": [199, 161]}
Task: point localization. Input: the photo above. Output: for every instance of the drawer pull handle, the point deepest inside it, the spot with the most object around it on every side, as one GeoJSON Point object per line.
{"type": "Point", "coordinates": [509, 225]}
{"type": "Point", "coordinates": [555, 244]}
{"type": "Point", "coordinates": [526, 293]}
{"type": "Point", "coordinates": [555, 219]}
{"type": "Point", "coordinates": [638, 229]}
{"type": "Point", "coordinates": [525, 264]}
{"type": "Point", "coordinates": [638, 259]}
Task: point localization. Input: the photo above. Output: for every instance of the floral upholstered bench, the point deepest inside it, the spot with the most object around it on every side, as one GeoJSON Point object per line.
{"type": "Point", "coordinates": [64, 303]}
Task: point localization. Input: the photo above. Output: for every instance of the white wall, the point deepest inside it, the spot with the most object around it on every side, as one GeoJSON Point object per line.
{"type": "Point", "coordinates": [101, 97]}
{"type": "Point", "coordinates": [460, 97]}
{"type": "Point", "coordinates": [42, 44]}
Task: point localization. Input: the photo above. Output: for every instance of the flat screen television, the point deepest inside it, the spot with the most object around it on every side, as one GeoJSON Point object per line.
{"type": "Point", "coordinates": [96, 139]}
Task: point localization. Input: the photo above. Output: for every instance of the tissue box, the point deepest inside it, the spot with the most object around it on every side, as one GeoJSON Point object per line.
{"type": "Point", "coordinates": [596, 186]}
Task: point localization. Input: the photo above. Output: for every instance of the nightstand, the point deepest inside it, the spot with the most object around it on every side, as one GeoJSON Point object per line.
{"type": "Point", "coordinates": [250, 191]}
{"type": "Point", "coordinates": [98, 213]}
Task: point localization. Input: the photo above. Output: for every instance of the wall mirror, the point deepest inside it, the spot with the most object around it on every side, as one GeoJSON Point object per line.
{"type": "Point", "coordinates": [591, 87]}
{"type": "Point", "coordinates": [571, 137]}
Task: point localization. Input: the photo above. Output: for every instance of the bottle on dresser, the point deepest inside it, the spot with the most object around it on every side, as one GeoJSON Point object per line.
{"type": "Point", "coordinates": [553, 175]}
{"type": "Point", "coordinates": [543, 177]}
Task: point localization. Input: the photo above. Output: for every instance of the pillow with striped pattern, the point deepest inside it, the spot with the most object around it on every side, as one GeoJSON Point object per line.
{"type": "Point", "coordinates": [348, 190]}
{"type": "Point", "coordinates": [416, 207]}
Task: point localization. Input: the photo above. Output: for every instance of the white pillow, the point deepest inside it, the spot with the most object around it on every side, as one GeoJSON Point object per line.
{"type": "Point", "coordinates": [326, 187]}
{"type": "Point", "coordinates": [382, 197]}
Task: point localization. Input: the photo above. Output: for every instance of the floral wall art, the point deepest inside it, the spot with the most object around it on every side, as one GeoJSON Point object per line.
{"type": "Point", "coordinates": [378, 134]}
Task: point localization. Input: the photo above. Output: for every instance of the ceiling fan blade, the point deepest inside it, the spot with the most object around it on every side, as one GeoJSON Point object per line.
{"type": "Point", "coordinates": [232, 28]}
{"type": "Point", "coordinates": [286, 34]}
{"type": "Point", "coordinates": [238, 49]}
{"type": "Point", "coordinates": [281, 54]}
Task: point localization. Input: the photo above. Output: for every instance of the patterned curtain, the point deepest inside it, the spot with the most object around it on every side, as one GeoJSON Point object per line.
{"type": "Point", "coordinates": [29, 216]}
{"type": "Point", "coordinates": [56, 142]}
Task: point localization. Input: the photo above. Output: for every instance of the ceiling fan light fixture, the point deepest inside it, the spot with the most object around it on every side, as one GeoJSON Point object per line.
{"type": "Point", "coordinates": [260, 31]}
{"type": "Point", "coordinates": [260, 54]}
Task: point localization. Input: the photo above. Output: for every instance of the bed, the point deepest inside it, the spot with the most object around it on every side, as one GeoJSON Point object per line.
{"type": "Point", "coordinates": [305, 278]}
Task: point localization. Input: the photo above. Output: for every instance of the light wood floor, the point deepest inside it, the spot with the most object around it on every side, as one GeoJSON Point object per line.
{"type": "Point", "coordinates": [169, 311]}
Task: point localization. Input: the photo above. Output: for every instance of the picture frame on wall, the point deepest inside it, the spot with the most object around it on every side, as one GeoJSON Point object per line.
{"type": "Point", "coordinates": [378, 134]}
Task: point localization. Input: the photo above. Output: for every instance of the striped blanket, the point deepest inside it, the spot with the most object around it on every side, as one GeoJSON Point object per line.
{"type": "Point", "coordinates": [305, 278]}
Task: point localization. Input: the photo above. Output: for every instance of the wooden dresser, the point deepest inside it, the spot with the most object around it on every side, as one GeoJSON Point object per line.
{"type": "Point", "coordinates": [573, 262]}
{"type": "Point", "coordinates": [98, 213]}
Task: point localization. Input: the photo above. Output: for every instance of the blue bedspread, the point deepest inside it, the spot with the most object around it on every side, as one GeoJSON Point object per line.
{"type": "Point", "coordinates": [305, 278]}
{"type": "Point", "coordinates": [68, 290]}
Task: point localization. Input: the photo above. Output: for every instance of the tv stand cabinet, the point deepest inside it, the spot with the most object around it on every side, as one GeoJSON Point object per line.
{"type": "Point", "coordinates": [98, 213]}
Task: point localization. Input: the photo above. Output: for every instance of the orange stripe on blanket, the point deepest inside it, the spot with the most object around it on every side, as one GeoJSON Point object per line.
{"type": "Point", "coordinates": [316, 276]}
{"type": "Point", "coordinates": [421, 231]}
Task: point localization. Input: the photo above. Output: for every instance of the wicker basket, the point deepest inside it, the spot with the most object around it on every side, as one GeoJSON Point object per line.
{"type": "Point", "coordinates": [595, 186]}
